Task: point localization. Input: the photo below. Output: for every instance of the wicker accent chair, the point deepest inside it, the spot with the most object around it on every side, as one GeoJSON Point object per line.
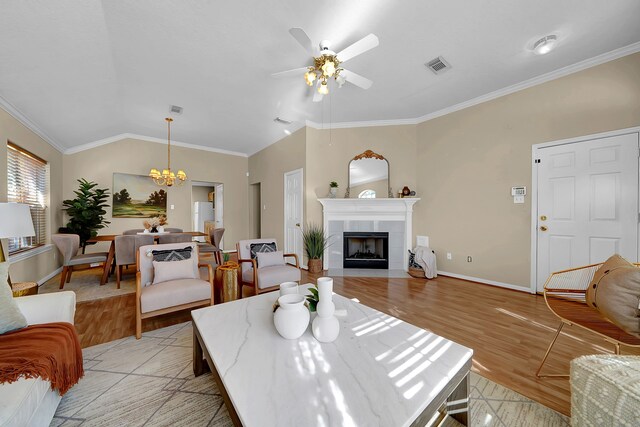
{"type": "Point", "coordinates": [565, 295]}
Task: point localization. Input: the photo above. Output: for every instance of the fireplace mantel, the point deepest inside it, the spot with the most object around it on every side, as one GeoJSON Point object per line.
{"type": "Point", "coordinates": [400, 209]}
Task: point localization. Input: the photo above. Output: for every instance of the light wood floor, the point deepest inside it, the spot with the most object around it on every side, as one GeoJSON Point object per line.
{"type": "Point", "coordinates": [509, 331]}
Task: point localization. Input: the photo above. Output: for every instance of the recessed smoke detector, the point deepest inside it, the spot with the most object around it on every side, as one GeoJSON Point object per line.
{"type": "Point", "coordinates": [545, 44]}
{"type": "Point", "coordinates": [174, 109]}
{"type": "Point", "coordinates": [282, 121]}
{"type": "Point", "coordinates": [438, 65]}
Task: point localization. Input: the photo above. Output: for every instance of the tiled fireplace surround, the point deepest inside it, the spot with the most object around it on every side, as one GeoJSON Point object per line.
{"type": "Point", "coordinates": [394, 216]}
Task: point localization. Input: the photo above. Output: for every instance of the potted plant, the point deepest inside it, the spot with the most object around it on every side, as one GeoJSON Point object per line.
{"type": "Point", "coordinates": [314, 242]}
{"type": "Point", "coordinates": [86, 211]}
{"type": "Point", "coordinates": [333, 189]}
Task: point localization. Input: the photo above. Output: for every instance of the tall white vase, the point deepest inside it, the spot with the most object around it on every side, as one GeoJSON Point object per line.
{"type": "Point", "coordinates": [325, 326]}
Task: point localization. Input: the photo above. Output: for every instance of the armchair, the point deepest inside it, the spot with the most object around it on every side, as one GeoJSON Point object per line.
{"type": "Point", "coordinates": [154, 297]}
{"type": "Point", "coordinates": [264, 279]}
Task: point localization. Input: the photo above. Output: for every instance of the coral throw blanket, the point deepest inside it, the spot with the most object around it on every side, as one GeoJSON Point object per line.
{"type": "Point", "coordinates": [50, 351]}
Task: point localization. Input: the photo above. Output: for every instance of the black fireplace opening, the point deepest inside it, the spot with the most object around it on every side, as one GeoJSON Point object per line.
{"type": "Point", "coordinates": [366, 250]}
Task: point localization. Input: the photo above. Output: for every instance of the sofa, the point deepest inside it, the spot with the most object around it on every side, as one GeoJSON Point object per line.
{"type": "Point", "coordinates": [31, 402]}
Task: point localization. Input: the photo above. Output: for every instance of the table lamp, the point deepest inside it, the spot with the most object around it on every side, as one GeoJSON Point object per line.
{"type": "Point", "coordinates": [15, 221]}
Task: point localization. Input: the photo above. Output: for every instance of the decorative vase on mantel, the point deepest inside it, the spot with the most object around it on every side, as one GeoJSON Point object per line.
{"type": "Point", "coordinates": [325, 326]}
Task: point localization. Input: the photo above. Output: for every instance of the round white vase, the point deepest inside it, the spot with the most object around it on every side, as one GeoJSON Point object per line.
{"type": "Point", "coordinates": [292, 317]}
{"type": "Point", "coordinates": [333, 191]}
{"type": "Point", "coordinates": [325, 326]}
{"type": "Point", "coordinates": [325, 329]}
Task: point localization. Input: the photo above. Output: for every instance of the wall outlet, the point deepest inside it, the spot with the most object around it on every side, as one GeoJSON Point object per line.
{"type": "Point", "coordinates": [173, 207]}
{"type": "Point", "coordinates": [469, 259]}
{"type": "Point", "coordinates": [449, 257]}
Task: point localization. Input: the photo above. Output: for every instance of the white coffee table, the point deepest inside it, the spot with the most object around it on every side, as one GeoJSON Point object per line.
{"type": "Point", "coordinates": [380, 371]}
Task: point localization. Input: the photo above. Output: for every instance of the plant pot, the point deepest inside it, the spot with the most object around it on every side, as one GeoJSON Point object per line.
{"type": "Point", "coordinates": [292, 316]}
{"type": "Point", "coordinates": [333, 191]}
{"type": "Point", "coordinates": [315, 265]}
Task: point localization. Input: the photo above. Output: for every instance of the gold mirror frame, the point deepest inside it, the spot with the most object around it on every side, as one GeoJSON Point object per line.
{"type": "Point", "coordinates": [368, 154]}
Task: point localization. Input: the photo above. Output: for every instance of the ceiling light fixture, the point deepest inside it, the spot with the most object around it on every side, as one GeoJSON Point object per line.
{"type": "Point", "coordinates": [325, 66]}
{"type": "Point", "coordinates": [167, 177]}
{"type": "Point", "coordinates": [545, 44]}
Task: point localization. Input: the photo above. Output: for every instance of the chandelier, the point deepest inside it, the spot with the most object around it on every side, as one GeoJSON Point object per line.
{"type": "Point", "coordinates": [325, 66]}
{"type": "Point", "coordinates": [167, 177]}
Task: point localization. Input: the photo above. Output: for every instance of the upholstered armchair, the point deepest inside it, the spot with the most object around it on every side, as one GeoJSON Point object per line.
{"type": "Point", "coordinates": [168, 280]}
{"type": "Point", "coordinates": [126, 248]}
{"type": "Point", "coordinates": [68, 245]}
{"type": "Point", "coordinates": [274, 270]}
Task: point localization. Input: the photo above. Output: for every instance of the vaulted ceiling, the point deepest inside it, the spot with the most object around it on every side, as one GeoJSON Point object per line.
{"type": "Point", "coordinates": [86, 70]}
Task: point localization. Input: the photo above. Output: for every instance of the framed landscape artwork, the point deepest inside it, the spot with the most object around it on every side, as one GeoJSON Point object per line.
{"type": "Point", "coordinates": [136, 196]}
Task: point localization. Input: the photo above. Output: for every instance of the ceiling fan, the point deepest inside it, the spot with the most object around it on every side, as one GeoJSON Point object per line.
{"type": "Point", "coordinates": [326, 63]}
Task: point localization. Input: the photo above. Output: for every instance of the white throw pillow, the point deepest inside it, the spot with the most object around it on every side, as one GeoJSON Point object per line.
{"type": "Point", "coordinates": [270, 259]}
{"type": "Point", "coordinates": [163, 271]}
{"type": "Point", "coordinates": [11, 318]}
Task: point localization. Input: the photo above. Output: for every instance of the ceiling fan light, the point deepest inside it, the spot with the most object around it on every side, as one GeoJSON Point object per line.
{"type": "Point", "coordinates": [323, 89]}
{"type": "Point", "coordinates": [309, 78]}
{"type": "Point", "coordinates": [545, 44]}
{"type": "Point", "coordinates": [341, 80]}
{"type": "Point", "coordinates": [329, 68]}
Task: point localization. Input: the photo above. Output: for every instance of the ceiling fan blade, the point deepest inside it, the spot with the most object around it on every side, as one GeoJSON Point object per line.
{"type": "Point", "coordinates": [290, 73]}
{"type": "Point", "coordinates": [302, 38]}
{"type": "Point", "coordinates": [361, 46]}
{"type": "Point", "coordinates": [317, 96]}
{"type": "Point", "coordinates": [356, 79]}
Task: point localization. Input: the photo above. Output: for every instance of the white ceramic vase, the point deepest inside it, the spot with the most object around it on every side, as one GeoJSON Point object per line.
{"type": "Point", "coordinates": [333, 191]}
{"type": "Point", "coordinates": [160, 229]}
{"type": "Point", "coordinates": [325, 326]}
{"type": "Point", "coordinates": [292, 317]}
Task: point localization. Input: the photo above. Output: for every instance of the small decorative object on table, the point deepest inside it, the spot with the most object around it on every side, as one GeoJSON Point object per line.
{"type": "Point", "coordinates": [333, 189]}
{"type": "Point", "coordinates": [154, 223]}
{"type": "Point", "coordinates": [325, 326]}
{"type": "Point", "coordinates": [406, 192]}
{"type": "Point", "coordinates": [292, 317]}
{"type": "Point", "coordinates": [314, 242]}
{"type": "Point", "coordinates": [229, 271]}
{"type": "Point", "coordinates": [22, 289]}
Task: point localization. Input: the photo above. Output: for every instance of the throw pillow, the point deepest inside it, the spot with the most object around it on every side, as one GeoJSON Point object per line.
{"type": "Point", "coordinates": [618, 298]}
{"type": "Point", "coordinates": [165, 271]}
{"type": "Point", "coordinates": [615, 261]}
{"type": "Point", "coordinates": [172, 254]}
{"type": "Point", "coordinates": [11, 318]}
{"type": "Point", "coordinates": [270, 259]}
{"type": "Point", "coordinates": [261, 247]}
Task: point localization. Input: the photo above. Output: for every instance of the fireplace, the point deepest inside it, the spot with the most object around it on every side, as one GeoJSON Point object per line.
{"type": "Point", "coordinates": [366, 250]}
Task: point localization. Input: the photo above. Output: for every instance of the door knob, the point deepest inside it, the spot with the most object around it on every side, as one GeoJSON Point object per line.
{"type": "Point", "coordinates": [543, 228]}
{"type": "Point", "coordinates": [298, 224]}
{"type": "Point", "coordinates": [543, 217]}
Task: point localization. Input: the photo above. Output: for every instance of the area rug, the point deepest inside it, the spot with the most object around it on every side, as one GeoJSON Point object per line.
{"type": "Point", "coordinates": [86, 285]}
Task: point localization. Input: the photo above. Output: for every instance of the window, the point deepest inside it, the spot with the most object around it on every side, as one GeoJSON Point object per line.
{"type": "Point", "coordinates": [27, 183]}
{"type": "Point", "coordinates": [367, 194]}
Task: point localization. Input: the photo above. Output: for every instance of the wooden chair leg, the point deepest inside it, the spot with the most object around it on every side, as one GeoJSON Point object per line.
{"type": "Point", "coordinates": [544, 359]}
{"type": "Point", "coordinates": [104, 279]}
{"type": "Point", "coordinates": [69, 271]}
{"type": "Point", "coordinates": [63, 277]}
{"type": "Point", "coordinates": [118, 275]}
{"type": "Point", "coordinates": [138, 326]}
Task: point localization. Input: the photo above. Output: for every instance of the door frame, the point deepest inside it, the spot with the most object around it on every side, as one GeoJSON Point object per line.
{"type": "Point", "coordinates": [534, 189]}
{"type": "Point", "coordinates": [284, 216]}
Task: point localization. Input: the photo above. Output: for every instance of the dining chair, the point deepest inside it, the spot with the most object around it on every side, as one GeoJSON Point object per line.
{"type": "Point", "coordinates": [68, 245]}
{"type": "Point", "coordinates": [126, 249]}
{"type": "Point", "coordinates": [213, 244]}
{"type": "Point", "coordinates": [133, 231]}
{"type": "Point", "coordinates": [174, 238]}
{"type": "Point", "coordinates": [173, 230]}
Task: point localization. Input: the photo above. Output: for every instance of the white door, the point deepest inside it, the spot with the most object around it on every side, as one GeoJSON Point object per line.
{"type": "Point", "coordinates": [293, 191]}
{"type": "Point", "coordinates": [587, 203]}
{"type": "Point", "coordinates": [219, 209]}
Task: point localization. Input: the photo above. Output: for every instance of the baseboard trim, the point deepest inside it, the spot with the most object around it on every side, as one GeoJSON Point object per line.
{"type": "Point", "coordinates": [54, 273]}
{"type": "Point", "coordinates": [485, 281]}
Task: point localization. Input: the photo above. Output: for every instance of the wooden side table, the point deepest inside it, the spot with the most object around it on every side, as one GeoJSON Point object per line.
{"type": "Point", "coordinates": [21, 289]}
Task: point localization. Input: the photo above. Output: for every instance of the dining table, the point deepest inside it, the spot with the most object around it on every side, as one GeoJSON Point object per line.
{"type": "Point", "coordinates": [112, 248]}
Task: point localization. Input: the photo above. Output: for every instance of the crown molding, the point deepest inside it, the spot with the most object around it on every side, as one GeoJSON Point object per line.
{"type": "Point", "coordinates": [24, 120]}
{"type": "Point", "coordinates": [120, 137]}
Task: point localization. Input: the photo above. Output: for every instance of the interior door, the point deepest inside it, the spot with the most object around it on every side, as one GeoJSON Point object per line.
{"type": "Point", "coordinates": [293, 199]}
{"type": "Point", "coordinates": [587, 203]}
{"type": "Point", "coordinates": [219, 209]}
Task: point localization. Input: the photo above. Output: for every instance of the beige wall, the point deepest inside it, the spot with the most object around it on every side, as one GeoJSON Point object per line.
{"type": "Point", "coordinates": [329, 152]}
{"type": "Point", "coordinates": [201, 194]}
{"type": "Point", "coordinates": [469, 160]}
{"type": "Point", "coordinates": [39, 266]}
{"type": "Point", "coordinates": [268, 167]}
{"type": "Point", "coordinates": [138, 157]}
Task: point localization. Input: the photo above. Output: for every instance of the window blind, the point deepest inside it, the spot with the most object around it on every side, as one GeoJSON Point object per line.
{"type": "Point", "coordinates": [27, 182]}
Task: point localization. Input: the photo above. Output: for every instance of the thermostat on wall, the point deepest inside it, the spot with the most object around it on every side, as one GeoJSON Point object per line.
{"type": "Point", "coordinates": [518, 194]}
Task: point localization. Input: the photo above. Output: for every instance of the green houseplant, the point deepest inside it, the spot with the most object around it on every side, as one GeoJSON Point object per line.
{"type": "Point", "coordinates": [314, 242]}
{"type": "Point", "coordinates": [86, 211]}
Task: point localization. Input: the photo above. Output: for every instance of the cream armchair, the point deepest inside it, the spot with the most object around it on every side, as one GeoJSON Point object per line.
{"type": "Point", "coordinates": [178, 293]}
{"type": "Point", "coordinates": [264, 279]}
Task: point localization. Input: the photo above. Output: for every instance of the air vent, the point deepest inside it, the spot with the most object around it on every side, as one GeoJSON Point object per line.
{"type": "Point", "coordinates": [438, 65]}
{"type": "Point", "coordinates": [174, 109]}
{"type": "Point", "coordinates": [282, 121]}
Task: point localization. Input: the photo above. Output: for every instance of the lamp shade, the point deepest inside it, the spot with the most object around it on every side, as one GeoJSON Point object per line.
{"type": "Point", "coordinates": [15, 220]}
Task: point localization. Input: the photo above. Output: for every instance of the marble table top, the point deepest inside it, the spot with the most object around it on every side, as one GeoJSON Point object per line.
{"type": "Point", "coordinates": [380, 370]}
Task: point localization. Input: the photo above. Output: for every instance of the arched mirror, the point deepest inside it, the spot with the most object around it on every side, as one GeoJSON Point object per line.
{"type": "Point", "coordinates": [368, 171]}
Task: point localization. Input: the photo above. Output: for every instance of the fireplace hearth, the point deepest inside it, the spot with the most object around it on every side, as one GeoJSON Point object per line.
{"type": "Point", "coordinates": [366, 250]}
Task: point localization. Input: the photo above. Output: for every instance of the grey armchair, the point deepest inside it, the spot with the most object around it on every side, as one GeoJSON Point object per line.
{"type": "Point", "coordinates": [126, 249]}
{"type": "Point", "coordinates": [68, 245]}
